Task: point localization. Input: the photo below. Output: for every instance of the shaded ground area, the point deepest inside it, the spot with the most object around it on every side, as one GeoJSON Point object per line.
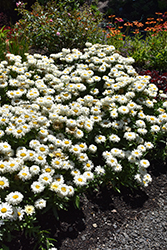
{"type": "Point", "coordinates": [101, 214]}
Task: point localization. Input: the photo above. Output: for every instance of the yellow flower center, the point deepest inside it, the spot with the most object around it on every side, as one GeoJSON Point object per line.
{"type": "Point", "coordinates": [63, 189]}
{"type": "Point", "coordinates": [42, 149]}
{"type": "Point", "coordinates": [40, 157]}
{"type": "Point", "coordinates": [57, 162]}
{"type": "Point", "coordinates": [46, 178]}
{"type": "Point", "coordinates": [58, 154]}
{"type": "Point", "coordinates": [19, 131]}
{"type": "Point", "coordinates": [3, 210]}
{"type": "Point", "coordinates": [2, 183]}
{"type": "Point", "coordinates": [24, 174]}
{"type": "Point", "coordinates": [15, 196]}
{"type": "Point", "coordinates": [22, 154]}
{"type": "Point", "coordinates": [48, 170]}
{"type": "Point", "coordinates": [75, 149]}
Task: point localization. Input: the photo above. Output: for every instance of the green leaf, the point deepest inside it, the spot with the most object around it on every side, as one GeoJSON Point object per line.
{"type": "Point", "coordinates": [77, 201]}
{"type": "Point", "coordinates": [4, 247]}
{"type": "Point", "coordinates": [55, 213]}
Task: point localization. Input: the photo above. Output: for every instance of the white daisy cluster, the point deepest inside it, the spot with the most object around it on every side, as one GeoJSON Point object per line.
{"type": "Point", "coordinates": [70, 118]}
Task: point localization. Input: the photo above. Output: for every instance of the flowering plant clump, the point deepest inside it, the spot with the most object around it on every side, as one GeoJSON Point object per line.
{"type": "Point", "coordinates": [70, 121]}
{"type": "Point", "coordinates": [56, 26]}
{"type": "Point", "coordinates": [145, 42]}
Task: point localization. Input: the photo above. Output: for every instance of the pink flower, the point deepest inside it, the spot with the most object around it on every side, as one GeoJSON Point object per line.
{"type": "Point", "coordinates": [51, 20]}
{"type": "Point", "coordinates": [69, 14]}
{"type": "Point", "coordinates": [58, 33]}
{"type": "Point", "coordinates": [19, 3]}
{"type": "Point", "coordinates": [119, 19]}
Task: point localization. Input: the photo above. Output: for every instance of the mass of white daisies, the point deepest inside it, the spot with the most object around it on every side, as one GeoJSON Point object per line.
{"type": "Point", "coordinates": [70, 119]}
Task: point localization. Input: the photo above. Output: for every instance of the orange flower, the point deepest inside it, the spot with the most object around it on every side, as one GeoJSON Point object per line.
{"type": "Point", "coordinates": [150, 18]}
{"type": "Point", "coordinates": [111, 16]}
{"type": "Point", "coordinates": [159, 19]}
{"type": "Point", "coordinates": [147, 23]}
{"type": "Point", "coordinates": [136, 31]}
{"type": "Point", "coordinates": [147, 29]}
{"type": "Point", "coordinates": [158, 13]}
{"type": "Point", "coordinates": [128, 24]}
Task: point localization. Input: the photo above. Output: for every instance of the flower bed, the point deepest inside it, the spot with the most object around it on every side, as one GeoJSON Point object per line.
{"type": "Point", "coordinates": [69, 122]}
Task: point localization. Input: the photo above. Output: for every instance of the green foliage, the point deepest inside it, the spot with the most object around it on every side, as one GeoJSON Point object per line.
{"type": "Point", "coordinates": [3, 42]}
{"type": "Point", "coordinates": [56, 26]}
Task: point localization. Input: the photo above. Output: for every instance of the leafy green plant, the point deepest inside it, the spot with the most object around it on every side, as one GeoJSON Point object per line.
{"type": "Point", "coordinates": [55, 26]}
{"type": "Point", "coordinates": [3, 42]}
{"type": "Point", "coordinates": [70, 122]}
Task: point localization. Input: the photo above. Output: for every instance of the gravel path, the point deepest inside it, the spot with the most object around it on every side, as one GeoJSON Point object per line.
{"type": "Point", "coordinates": [148, 231]}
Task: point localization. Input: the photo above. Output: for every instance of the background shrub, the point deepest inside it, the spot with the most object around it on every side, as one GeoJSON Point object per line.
{"type": "Point", "coordinates": [56, 26]}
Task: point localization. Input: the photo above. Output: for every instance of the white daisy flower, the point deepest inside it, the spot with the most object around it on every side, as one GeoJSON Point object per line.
{"type": "Point", "coordinates": [138, 178]}
{"type": "Point", "coordinates": [100, 139]}
{"type": "Point", "coordinates": [40, 159]}
{"type": "Point", "coordinates": [115, 151]}
{"type": "Point", "coordinates": [123, 110]}
{"type": "Point", "coordinates": [142, 148]}
{"type": "Point", "coordinates": [155, 128]}
{"type": "Point", "coordinates": [6, 210]}
{"type": "Point", "coordinates": [130, 136]}
{"type": "Point", "coordinates": [88, 175]}
{"type": "Point", "coordinates": [114, 138]}
{"type": "Point", "coordinates": [148, 145]}
{"type": "Point", "coordinates": [82, 157]}
{"type": "Point", "coordinates": [4, 182]}
{"type": "Point", "coordinates": [48, 169]}
{"type": "Point", "coordinates": [24, 175]}
{"type": "Point", "coordinates": [117, 168]}
{"type": "Point", "coordinates": [78, 133]}
{"type": "Point", "coordinates": [20, 212]}
{"type": "Point", "coordinates": [80, 180]}
{"type": "Point", "coordinates": [37, 187]}
{"type": "Point", "coordinates": [75, 149]}
{"type": "Point", "coordinates": [34, 169]}
{"type": "Point", "coordinates": [29, 209]}
{"type": "Point", "coordinates": [92, 148]}
{"type": "Point", "coordinates": [14, 198]}
{"type": "Point", "coordinates": [140, 123]}
{"type": "Point", "coordinates": [40, 203]}
{"type": "Point", "coordinates": [45, 178]}
{"type": "Point", "coordinates": [88, 166]}
{"type": "Point", "coordinates": [111, 161]}
{"type": "Point", "coordinates": [114, 113]}
{"type": "Point", "coordinates": [144, 163]}
{"type": "Point", "coordinates": [142, 131]}
{"type": "Point", "coordinates": [99, 170]}
{"type": "Point", "coordinates": [63, 190]}
{"type": "Point", "coordinates": [136, 153]}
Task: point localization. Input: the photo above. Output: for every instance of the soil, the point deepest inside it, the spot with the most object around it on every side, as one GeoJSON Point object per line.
{"type": "Point", "coordinates": [101, 213]}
